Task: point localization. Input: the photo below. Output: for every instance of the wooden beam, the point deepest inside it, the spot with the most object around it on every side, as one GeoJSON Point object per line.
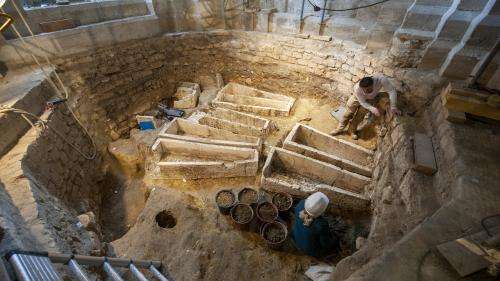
{"type": "Point", "coordinates": [471, 253]}
{"type": "Point", "coordinates": [456, 97]}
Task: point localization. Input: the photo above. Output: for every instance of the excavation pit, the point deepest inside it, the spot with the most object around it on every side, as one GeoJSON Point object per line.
{"type": "Point", "coordinates": [165, 219]}
{"type": "Point", "coordinates": [133, 64]}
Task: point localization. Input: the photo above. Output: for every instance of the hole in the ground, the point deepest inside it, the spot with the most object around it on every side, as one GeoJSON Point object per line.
{"type": "Point", "coordinates": [165, 219]}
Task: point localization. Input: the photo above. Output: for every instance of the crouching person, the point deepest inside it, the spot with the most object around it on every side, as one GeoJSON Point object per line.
{"type": "Point", "coordinates": [367, 94]}
{"type": "Point", "coordinates": [311, 233]}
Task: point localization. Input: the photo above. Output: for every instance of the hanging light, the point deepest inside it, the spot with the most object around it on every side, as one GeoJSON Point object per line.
{"type": "Point", "coordinates": [7, 17]}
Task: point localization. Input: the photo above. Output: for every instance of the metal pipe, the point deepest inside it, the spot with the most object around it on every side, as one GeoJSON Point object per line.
{"type": "Point", "coordinates": [302, 12]}
{"type": "Point", "coordinates": [157, 273]}
{"type": "Point", "coordinates": [484, 64]}
{"type": "Point", "coordinates": [77, 270]}
{"type": "Point", "coordinates": [111, 272]}
{"type": "Point", "coordinates": [137, 274]}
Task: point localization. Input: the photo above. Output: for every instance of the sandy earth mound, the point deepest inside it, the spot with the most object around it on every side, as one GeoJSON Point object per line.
{"type": "Point", "coordinates": [203, 245]}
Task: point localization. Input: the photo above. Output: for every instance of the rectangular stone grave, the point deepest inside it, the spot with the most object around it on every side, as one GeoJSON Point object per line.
{"type": "Point", "coordinates": [182, 129]}
{"type": "Point", "coordinates": [234, 121]}
{"type": "Point", "coordinates": [298, 175]}
{"type": "Point", "coordinates": [312, 143]}
{"type": "Point", "coordinates": [177, 159]}
{"type": "Point", "coordinates": [243, 98]}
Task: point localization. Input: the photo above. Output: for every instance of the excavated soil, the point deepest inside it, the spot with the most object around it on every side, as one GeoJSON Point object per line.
{"type": "Point", "coordinates": [242, 213]}
{"type": "Point", "coordinates": [248, 196]}
{"type": "Point", "coordinates": [274, 233]}
{"type": "Point", "coordinates": [267, 211]}
{"type": "Point", "coordinates": [282, 201]}
{"type": "Point", "coordinates": [225, 199]}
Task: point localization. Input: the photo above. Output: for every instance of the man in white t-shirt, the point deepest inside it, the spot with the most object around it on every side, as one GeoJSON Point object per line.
{"type": "Point", "coordinates": [366, 94]}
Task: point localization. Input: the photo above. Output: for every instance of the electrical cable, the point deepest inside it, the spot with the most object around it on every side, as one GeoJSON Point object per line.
{"type": "Point", "coordinates": [49, 78]}
{"type": "Point", "coordinates": [43, 123]}
{"type": "Point", "coordinates": [317, 8]}
{"type": "Point", "coordinates": [483, 224]}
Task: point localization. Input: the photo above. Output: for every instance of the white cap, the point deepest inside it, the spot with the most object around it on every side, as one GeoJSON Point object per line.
{"type": "Point", "coordinates": [316, 204]}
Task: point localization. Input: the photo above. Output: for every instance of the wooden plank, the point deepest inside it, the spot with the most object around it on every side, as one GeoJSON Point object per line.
{"type": "Point", "coordinates": [458, 98]}
{"type": "Point", "coordinates": [425, 161]}
{"type": "Point", "coordinates": [56, 25]}
{"type": "Point", "coordinates": [471, 253]}
{"type": "Point", "coordinates": [465, 260]}
{"type": "Point", "coordinates": [455, 116]}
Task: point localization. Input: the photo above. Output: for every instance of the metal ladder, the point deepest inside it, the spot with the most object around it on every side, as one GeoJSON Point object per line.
{"type": "Point", "coordinates": [38, 266]}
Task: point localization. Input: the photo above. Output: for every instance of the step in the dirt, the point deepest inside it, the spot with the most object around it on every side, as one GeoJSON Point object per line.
{"type": "Point", "coordinates": [312, 143]}
{"type": "Point", "coordinates": [296, 174]}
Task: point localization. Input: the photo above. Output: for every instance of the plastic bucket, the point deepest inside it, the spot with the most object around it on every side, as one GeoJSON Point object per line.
{"type": "Point", "coordinates": [283, 201]}
{"type": "Point", "coordinates": [266, 212]}
{"type": "Point", "coordinates": [248, 196]}
{"type": "Point", "coordinates": [242, 215]}
{"type": "Point", "coordinates": [275, 233]}
{"type": "Point", "coordinates": [224, 195]}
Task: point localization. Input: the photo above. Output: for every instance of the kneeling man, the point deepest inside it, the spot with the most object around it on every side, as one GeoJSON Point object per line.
{"type": "Point", "coordinates": [366, 93]}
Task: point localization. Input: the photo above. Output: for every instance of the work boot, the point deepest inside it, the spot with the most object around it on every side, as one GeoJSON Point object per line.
{"type": "Point", "coordinates": [337, 131]}
{"type": "Point", "coordinates": [355, 135]}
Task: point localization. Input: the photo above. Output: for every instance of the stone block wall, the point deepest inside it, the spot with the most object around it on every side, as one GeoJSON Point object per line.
{"type": "Point", "coordinates": [112, 84]}
{"type": "Point", "coordinates": [52, 162]}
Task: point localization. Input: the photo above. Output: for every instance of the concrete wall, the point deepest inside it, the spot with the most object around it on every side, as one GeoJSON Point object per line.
{"type": "Point", "coordinates": [372, 26]}
{"type": "Point", "coordinates": [83, 13]}
{"type": "Point", "coordinates": [70, 42]}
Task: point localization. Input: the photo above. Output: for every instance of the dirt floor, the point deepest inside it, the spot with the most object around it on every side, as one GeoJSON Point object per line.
{"type": "Point", "coordinates": [204, 245]}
